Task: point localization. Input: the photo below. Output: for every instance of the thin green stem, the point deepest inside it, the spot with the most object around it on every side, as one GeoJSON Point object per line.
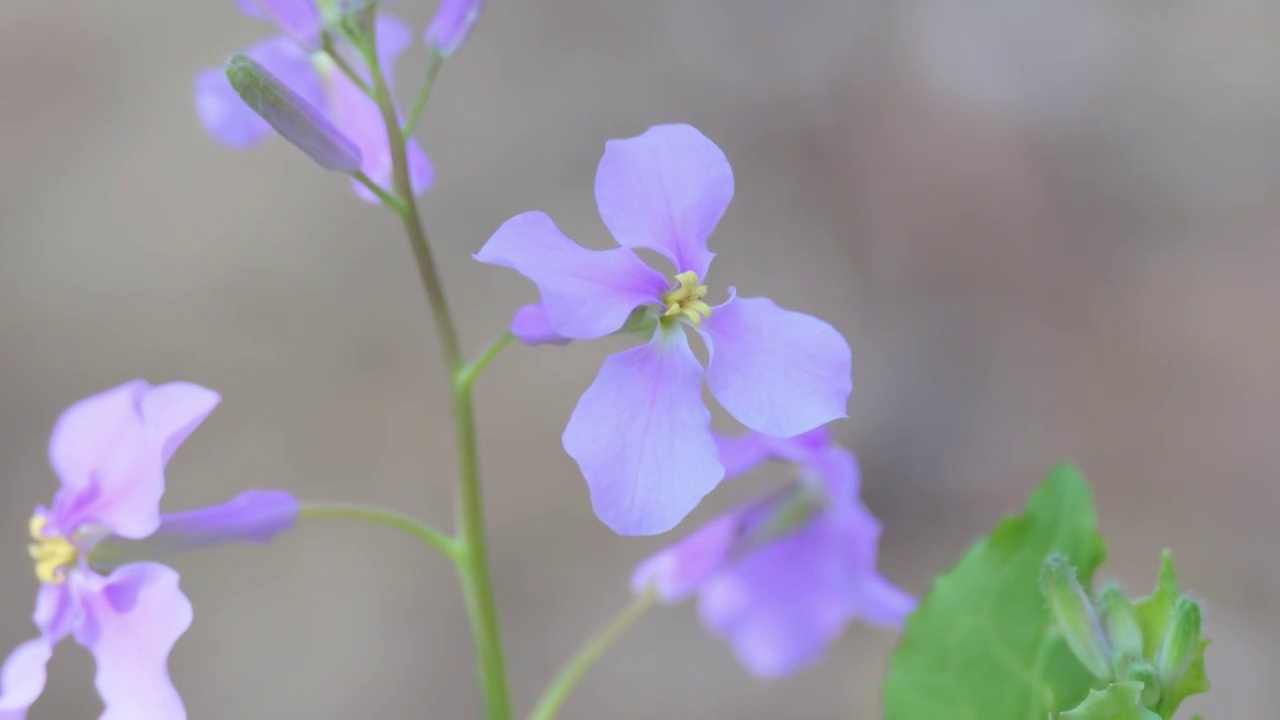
{"type": "Point", "coordinates": [587, 655]}
{"type": "Point", "coordinates": [468, 374]}
{"type": "Point", "coordinates": [391, 200]}
{"type": "Point", "coordinates": [387, 518]}
{"type": "Point", "coordinates": [420, 102]}
{"type": "Point", "coordinates": [326, 44]}
{"type": "Point", "coordinates": [473, 565]}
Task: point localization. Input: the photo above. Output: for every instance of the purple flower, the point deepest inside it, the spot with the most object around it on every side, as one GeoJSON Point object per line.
{"type": "Point", "coordinates": [451, 25]}
{"type": "Point", "coordinates": [780, 578]}
{"type": "Point", "coordinates": [316, 79]}
{"type": "Point", "coordinates": [641, 433]}
{"type": "Point", "coordinates": [91, 548]}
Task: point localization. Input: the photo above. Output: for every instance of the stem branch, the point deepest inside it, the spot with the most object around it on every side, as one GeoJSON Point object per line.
{"type": "Point", "coordinates": [387, 518]}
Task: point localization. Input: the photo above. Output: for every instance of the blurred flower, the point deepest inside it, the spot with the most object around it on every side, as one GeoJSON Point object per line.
{"type": "Point", "coordinates": [641, 433]}
{"type": "Point", "coordinates": [109, 451]}
{"type": "Point", "coordinates": [451, 25]}
{"type": "Point", "coordinates": [317, 79]}
{"type": "Point", "coordinates": [779, 579]}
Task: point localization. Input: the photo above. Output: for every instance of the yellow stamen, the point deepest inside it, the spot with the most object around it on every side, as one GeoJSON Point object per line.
{"type": "Point", "coordinates": [686, 299]}
{"type": "Point", "coordinates": [52, 553]}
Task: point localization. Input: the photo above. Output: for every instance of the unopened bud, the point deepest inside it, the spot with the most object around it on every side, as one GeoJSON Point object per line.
{"type": "Point", "coordinates": [1181, 642]}
{"type": "Point", "coordinates": [1074, 614]}
{"type": "Point", "coordinates": [297, 120]}
{"type": "Point", "coordinates": [1144, 673]}
{"type": "Point", "coordinates": [1120, 622]}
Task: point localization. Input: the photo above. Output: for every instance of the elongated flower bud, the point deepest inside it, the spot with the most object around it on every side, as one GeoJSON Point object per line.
{"type": "Point", "coordinates": [1074, 613]}
{"type": "Point", "coordinates": [1120, 622]}
{"type": "Point", "coordinates": [1181, 642]}
{"type": "Point", "coordinates": [297, 120]}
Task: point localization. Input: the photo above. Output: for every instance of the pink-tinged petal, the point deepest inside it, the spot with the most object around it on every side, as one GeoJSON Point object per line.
{"type": "Point", "coordinates": [783, 605]}
{"type": "Point", "coordinates": [676, 572]}
{"type": "Point", "coordinates": [774, 370]}
{"type": "Point", "coordinates": [299, 19]}
{"type": "Point", "coordinates": [23, 677]}
{"type": "Point", "coordinates": [132, 620]}
{"type": "Point", "coordinates": [56, 611]}
{"type": "Point", "coordinates": [110, 449]}
{"type": "Point", "coordinates": [585, 293]}
{"type": "Point", "coordinates": [531, 326]}
{"type": "Point", "coordinates": [665, 190]}
{"type": "Point", "coordinates": [226, 116]}
{"type": "Point", "coordinates": [451, 25]}
{"type": "Point", "coordinates": [641, 436]}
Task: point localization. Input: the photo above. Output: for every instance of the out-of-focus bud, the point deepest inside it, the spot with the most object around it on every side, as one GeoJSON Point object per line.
{"type": "Point", "coordinates": [1120, 623]}
{"type": "Point", "coordinates": [1181, 642]}
{"type": "Point", "coordinates": [1144, 673]}
{"type": "Point", "coordinates": [1074, 613]}
{"type": "Point", "coordinates": [297, 120]}
{"type": "Point", "coordinates": [451, 25]}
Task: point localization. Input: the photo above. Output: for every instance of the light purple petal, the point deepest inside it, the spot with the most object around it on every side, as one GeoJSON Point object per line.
{"type": "Point", "coordinates": [299, 19]}
{"type": "Point", "coordinates": [781, 606]}
{"type": "Point", "coordinates": [676, 572]}
{"type": "Point", "coordinates": [774, 370]}
{"type": "Point", "coordinates": [665, 190]}
{"type": "Point", "coordinates": [879, 602]}
{"type": "Point", "coordinates": [226, 116]}
{"type": "Point", "coordinates": [451, 25]}
{"type": "Point", "coordinates": [56, 611]}
{"type": "Point", "coordinates": [109, 450]}
{"type": "Point", "coordinates": [23, 677]}
{"type": "Point", "coordinates": [743, 453]}
{"type": "Point", "coordinates": [585, 293]}
{"type": "Point", "coordinates": [132, 620]}
{"type": "Point", "coordinates": [531, 326]}
{"type": "Point", "coordinates": [641, 436]}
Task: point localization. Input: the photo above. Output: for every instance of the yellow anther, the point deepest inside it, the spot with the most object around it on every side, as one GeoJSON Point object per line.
{"type": "Point", "coordinates": [686, 299]}
{"type": "Point", "coordinates": [52, 553]}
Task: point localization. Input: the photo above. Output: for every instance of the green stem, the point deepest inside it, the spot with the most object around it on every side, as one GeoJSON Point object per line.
{"type": "Point", "coordinates": [587, 655]}
{"type": "Point", "coordinates": [391, 200]}
{"type": "Point", "coordinates": [420, 102]}
{"type": "Point", "coordinates": [387, 518]}
{"type": "Point", "coordinates": [472, 370]}
{"type": "Point", "coordinates": [473, 565]}
{"type": "Point", "coordinates": [326, 44]}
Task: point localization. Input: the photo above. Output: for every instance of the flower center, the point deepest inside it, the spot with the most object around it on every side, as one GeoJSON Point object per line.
{"type": "Point", "coordinates": [686, 299]}
{"type": "Point", "coordinates": [52, 553]}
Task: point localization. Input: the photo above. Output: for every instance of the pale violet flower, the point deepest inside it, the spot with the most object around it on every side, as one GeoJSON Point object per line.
{"type": "Point", "coordinates": [641, 433]}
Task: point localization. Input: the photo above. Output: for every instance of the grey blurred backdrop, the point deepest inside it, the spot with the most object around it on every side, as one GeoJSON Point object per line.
{"type": "Point", "coordinates": [1048, 228]}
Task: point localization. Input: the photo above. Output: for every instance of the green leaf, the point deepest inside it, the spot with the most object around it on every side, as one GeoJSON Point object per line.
{"type": "Point", "coordinates": [1121, 701]}
{"type": "Point", "coordinates": [1155, 615]}
{"type": "Point", "coordinates": [982, 644]}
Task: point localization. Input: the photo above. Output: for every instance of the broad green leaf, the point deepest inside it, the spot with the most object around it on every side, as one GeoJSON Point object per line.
{"type": "Point", "coordinates": [982, 644]}
{"type": "Point", "coordinates": [1121, 701]}
{"type": "Point", "coordinates": [1155, 613]}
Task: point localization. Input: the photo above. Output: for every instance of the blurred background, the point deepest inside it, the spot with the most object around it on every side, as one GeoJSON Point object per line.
{"type": "Point", "coordinates": [1048, 228]}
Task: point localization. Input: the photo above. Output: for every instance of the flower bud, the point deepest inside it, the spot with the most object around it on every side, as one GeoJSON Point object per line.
{"type": "Point", "coordinates": [1074, 614]}
{"type": "Point", "coordinates": [1120, 622]}
{"type": "Point", "coordinates": [1181, 642]}
{"type": "Point", "coordinates": [297, 120]}
{"type": "Point", "coordinates": [451, 25]}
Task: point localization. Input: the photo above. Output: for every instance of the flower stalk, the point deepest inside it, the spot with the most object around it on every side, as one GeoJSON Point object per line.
{"type": "Point", "coordinates": [473, 561]}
